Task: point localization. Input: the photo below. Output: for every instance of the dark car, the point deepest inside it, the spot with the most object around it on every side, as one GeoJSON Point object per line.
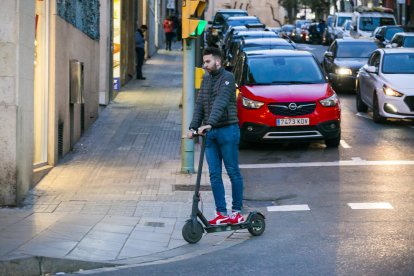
{"type": "Point", "coordinates": [384, 34]}
{"type": "Point", "coordinates": [232, 43]}
{"type": "Point", "coordinates": [254, 44]}
{"type": "Point", "coordinates": [237, 29]}
{"type": "Point", "coordinates": [343, 59]}
{"type": "Point", "coordinates": [284, 96]}
{"type": "Point", "coordinates": [405, 40]}
{"type": "Point", "coordinates": [238, 21]}
{"type": "Point", "coordinates": [213, 32]}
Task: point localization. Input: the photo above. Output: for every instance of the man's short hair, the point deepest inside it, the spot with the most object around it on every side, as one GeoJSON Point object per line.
{"type": "Point", "coordinates": [214, 51]}
{"type": "Point", "coordinates": [144, 27]}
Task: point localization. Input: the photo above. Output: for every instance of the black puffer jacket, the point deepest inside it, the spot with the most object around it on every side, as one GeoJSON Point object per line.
{"type": "Point", "coordinates": [216, 101]}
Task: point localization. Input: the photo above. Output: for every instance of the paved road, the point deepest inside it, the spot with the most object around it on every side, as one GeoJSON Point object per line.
{"type": "Point", "coordinates": [345, 211]}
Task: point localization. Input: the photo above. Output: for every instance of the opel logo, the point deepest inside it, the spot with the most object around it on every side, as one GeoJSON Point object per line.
{"type": "Point", "coordinates": [292, 106]}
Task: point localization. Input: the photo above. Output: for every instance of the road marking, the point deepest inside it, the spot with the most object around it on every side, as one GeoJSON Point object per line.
{"type": "Point", "coordinates": [370, 205]}
{"type": "Point", "coordinates": [354, 162]}
{"type": "Point", "coordinates": [363, 115]}
{"type": "Point", "coordinates": [288, 208]}
{"type": "Point", "coordinates": [345, 145]}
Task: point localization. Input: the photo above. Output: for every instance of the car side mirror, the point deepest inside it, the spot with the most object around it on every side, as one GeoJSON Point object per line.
{"type": "Point", "coordinates": [355, 28]}
{"type": "Point", "coordinates": [378, 36]}
{"type": "Point", "coordinates": [328, 55]}
{"type": "Point", "coordinates": [394, 45]}
{"type": "Point", "coordinates": [371, 69]}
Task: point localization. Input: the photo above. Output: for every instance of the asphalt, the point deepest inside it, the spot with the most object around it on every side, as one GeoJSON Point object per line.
{"type": "Point", "coordinates": [119, 197]}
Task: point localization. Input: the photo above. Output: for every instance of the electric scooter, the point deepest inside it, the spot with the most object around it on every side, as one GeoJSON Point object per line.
{"type": "Point", "coordinates": [194, 227]}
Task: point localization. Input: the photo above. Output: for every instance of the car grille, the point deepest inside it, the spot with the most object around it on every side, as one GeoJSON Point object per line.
{"type": "Point", "coordinates": [287, 109]}
{"type": "Point", "coordinates": [409, 100]}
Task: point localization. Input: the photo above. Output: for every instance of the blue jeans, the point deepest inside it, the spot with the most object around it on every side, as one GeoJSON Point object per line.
{"type": "Point", "coordinates": [222, 144]}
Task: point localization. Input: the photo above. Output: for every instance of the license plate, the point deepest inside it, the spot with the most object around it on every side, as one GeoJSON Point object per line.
{"type": "Point", "coordinates": [292, 122]}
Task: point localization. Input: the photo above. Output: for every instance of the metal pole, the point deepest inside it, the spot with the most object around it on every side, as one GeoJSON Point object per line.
{"type": "Point", "coordinates": [187, 145]}
{"type": "Point", "coordinates": [403, 12]}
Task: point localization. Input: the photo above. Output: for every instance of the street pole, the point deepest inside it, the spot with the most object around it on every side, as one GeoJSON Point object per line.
{"type": "Point", "coordinates": [187, 145]}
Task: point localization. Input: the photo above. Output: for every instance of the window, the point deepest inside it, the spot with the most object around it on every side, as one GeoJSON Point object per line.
{"type": "Point", "coordinates": [401, 63]}
{"type": "Point", "coordinates": [375, 59]}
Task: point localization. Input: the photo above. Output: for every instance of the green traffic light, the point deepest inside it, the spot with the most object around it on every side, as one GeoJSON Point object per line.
{"type": "Point", "coordinates": [200, 28]}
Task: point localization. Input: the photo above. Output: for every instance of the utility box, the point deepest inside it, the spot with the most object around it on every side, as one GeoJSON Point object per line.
{"type": "Point", "coordinates": [76, 82]}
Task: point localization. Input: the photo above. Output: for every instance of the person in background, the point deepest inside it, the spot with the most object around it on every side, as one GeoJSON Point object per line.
{"type": "Point", "coordinates": [140, 50]}
{"type": "Point", "coordinates": [169, 32]}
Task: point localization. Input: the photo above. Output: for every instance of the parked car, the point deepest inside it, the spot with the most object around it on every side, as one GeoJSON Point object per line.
{"type": "Point", "coordinates": [234, 31]}
{"type": "Point", "coordinates": [255, 43]}
{"type": "Point", "coordinates": [343, 59]}
{"type": "Point", "coordinates": [233, 44]}
{"type": "Point", "coordinates": [405, 40]}
{"type": "Point", "coordinates": [283, 95]}
{"type": "Point", "coordinates": [214, 31]}
{"type": "Point", "coordinates": [237, 21]}
{"type": "Point", "coordinates": [385, 84]}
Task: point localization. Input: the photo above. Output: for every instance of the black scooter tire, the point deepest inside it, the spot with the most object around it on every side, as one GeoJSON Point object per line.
{"type": "Point", "coordinates": [257, 225]}
{"type": "Point", "coordinates": [188, 234]}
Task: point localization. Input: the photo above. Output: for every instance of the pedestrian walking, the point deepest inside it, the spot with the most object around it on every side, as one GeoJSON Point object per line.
{"type": "Point", "coordinates": [169, 32]}
{"type": "Point", "coordinates": [216, 111]}
{"type": "Point", "coordinates": [140, 50]}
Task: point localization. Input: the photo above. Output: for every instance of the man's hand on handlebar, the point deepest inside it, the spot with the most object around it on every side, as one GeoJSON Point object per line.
{"type": "Point", "coordinates": [200, 131]}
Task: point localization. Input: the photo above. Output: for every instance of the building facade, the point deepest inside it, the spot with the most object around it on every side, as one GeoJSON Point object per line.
{"type": "Point", "coordinates": [61, 60]}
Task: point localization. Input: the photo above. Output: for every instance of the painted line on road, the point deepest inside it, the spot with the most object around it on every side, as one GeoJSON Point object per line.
{"type": "Point", "coordinates": [288, 208]}
{"type": "Point", "coordinates": [370, 205]}
{"type": "Point", "coordinates": [364, 115]}
{"type": "Point", "coordinates": [354, 162]}
{"type": "Point", "coordinates": [345, 145]}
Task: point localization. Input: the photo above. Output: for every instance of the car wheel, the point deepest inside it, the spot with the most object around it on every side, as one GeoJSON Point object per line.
{"type": "Point", "coordinates": [375, 112]}
{"type": "Point", "coordinates": [360, 105]}
{"type": "Point", "coordinates": [333, 142]}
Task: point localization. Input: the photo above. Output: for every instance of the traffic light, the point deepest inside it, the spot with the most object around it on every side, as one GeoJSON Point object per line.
{"type": "Point", "coordinates": [192, 26]}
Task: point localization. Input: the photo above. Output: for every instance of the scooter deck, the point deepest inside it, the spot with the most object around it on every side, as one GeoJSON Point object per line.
{"type": "Point", "coordinates": [231, 227]}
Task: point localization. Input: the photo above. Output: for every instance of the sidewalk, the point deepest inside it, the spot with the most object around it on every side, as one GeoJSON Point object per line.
{"type": "Point", "coordinates": [119, 196]}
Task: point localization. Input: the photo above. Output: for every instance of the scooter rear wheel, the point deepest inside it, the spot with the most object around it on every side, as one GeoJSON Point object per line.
{"type": "Point", "coordinates": [191, 236]}
{"type": "Point", "coordinates": [257, 225]}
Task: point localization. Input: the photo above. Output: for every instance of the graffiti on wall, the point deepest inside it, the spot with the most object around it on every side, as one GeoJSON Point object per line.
{"type": "Point", "coordinates": [84, 15]}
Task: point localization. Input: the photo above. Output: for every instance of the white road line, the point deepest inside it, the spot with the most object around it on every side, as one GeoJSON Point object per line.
{"type": "Point", "coordinates": [363, 115]}
{"type": "Point", "coordinates": [353, 162]}
{"type": "Point", "coordinates": [370, 205]}
{"type": "Point", "coordinates": [345, 145]}
{"type": "Point", "coordinates": [288, 208]}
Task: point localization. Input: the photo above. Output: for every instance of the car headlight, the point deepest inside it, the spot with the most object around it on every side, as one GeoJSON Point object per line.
{"type": "Point", "coordinates": [343, 71]}
{"type": "Point", "coordinates": [250, 104]}
{"type": "Point", "coordinates": [330, 101]}
{"type": "Point", "coordinates": [391, 92]}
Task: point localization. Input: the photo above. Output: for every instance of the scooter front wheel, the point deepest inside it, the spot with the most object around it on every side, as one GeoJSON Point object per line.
{"type": "Point", "coordinates": [192, 233]}
{"type": "Point", "coordinates": [257, 225]}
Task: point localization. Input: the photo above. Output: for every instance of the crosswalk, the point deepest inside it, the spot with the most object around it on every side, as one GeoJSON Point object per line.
{"type": "Point", "coordinates": [353, 206]}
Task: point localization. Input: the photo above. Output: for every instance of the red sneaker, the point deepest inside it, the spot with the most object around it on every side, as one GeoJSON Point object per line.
{"type": "Point", "coordinates": [219, 219]}
{"type": "Point", "coordinates": [235, 218]}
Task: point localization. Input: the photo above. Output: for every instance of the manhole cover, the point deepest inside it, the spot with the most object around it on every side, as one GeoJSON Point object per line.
{"type": "Point", "coordinates": [190, 188]}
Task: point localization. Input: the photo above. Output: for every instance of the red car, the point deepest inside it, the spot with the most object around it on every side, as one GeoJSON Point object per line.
{"type": "Point", "coordinates": [283, 95]}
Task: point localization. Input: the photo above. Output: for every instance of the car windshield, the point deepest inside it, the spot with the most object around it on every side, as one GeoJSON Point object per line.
{"type": "Point", "coordinates": [269, 70]}
{"type": "Point", "coordinates": [369, 24]}
{"type": "Point", "coordinates": [398, 63]}
{"type": "Point", "coordinates": [355, 50]}
{"type": "Point", "coordinates": [409, 42]}
{"type": "Point", "coordinates": [391, 32]}
{"type": "Point", "coordinates": [342, 19]}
